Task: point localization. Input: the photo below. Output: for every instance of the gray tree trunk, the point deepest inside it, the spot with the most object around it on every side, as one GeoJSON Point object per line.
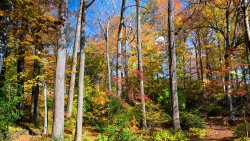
{"type": "Point", "coordinates": [5, 5]}
{"type": "Point", "coordinates": [245, 5]}
{"type": "Point", "coordinates": [119, 51]}
{"type": "Point", "coordinates": [45, 127]}
{"type": "Point", "coordinates": [172, 66]}
{"type": "Point", "coordinates": [74, 63]}
{"type": "Point", "coordinates": [140, 68]}
{"type": "Point", "coordinates": [227, 67]}
{"type": "Point", "coordinates": [107, 58]}
{"type": "Point", "coordinates": [126, 60]}
{"type": "Point", "coordinates": [58, 123]}
{"type": "Point", "coordinates": [106, 36]}
{"type": "Point", "coordinates": [78, 135]}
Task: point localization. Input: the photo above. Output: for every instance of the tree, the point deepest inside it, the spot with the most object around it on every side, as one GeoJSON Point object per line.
{"type": "Point", "coordinates": [106, 37]}
{"type": "Point", "coordinates": [119, 50]}
{"type": "Point", "coordinates": [140, 68]}
{"type": "Point", "coordinates": [58, 122]}
{"type": "Point", "coordinates": [172, 66]}
{"type": "Point", "coordinates": [84, 6]}
{"type": "Point", "coordinates": [74, 63]}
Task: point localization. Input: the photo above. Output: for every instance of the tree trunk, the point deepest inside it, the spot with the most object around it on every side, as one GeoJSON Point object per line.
{"type": "Point", "coordinates": [200, 55]}
{"type": "Point", "coordinates": [126, 61]}
{"type": "Point", "coordinates": [78, 135]}
{"type": "Point", "coordinates": [20, 70]}
{"type": "Point", "coordinates": [107, 58]}
{"type": "Point", "coordinates": [227, 65]}
{"type": "Point", "coordinates": [58, 123]}
{"type": "Point", "coordinates": [119, 51]}
{"type": "Point", "coordinates": [35, 94]}
{"type": "Point", "coordinates": [140, 68]}
{"type": "Point", "coordinates": [4, 6]}
{"type": "Point", "coordinates": [45, 127]}
{"type": "Point", "coordinates": [172, 66]}
{"type": "Point", "coordinates": [245, 6]}
{"type": "Point", "coordinates": [74, 63]}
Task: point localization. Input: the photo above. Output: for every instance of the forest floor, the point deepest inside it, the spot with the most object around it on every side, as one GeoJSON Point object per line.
{"type": "Point", "coordinates": [217, 130]}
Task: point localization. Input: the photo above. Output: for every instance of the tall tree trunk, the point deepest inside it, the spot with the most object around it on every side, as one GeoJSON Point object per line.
{"type": "Point", "coordinates": [227, 65]}
{"type": "Point", "coordinates": [4, 6]}
{"type": "Point", "coordinates": [245, 5]}
{"type": "Point", "coordinates": [58, 123]}
{"type": "Point", "coordinates": [78, 135]}
{"type": "Point", "coordinates": [74, 63]}
{"type": "Point", "coordinates": [107, 58]}
{"type": "Point", "coordinates": [35, 94]}
{"type": "Point", "coordinates": [200, 55]}
{"type": "Point", "coordinates": [196, 60]}
{"type": "Point", "coordinates": [126, 60]}
{"type": "Point", "coordinates": [20, 70]}
{"type": "Point", "coordinates": [172, 67]}
{"type": "Point", "coordinates": [140, 67]}
{"type": "Point", "coordinates": [45, 126]}
{"type": "Point", "coordinates": [119, 51]}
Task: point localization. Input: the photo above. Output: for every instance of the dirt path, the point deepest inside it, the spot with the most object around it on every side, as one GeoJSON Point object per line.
{"type": "Point", "coordinates": [217, 131]}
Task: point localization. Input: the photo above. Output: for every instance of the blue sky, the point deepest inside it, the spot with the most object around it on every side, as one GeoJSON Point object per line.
{"type": "Point", "coordinates": [98, 8]}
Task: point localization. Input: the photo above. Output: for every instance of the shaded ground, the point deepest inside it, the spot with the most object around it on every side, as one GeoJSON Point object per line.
{"type": "Point", "coordinates": [218, 130]}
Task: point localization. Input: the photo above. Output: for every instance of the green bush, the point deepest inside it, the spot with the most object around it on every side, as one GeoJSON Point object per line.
{"type": "Point", "coordinates": [197, 133]}
{"type": "Point", "coordinates": [156, 117]}
{"type": "Point", "coordinates": [166, 135]}
{"type": "Point", "coordinates": [240, 130]}
{"type": "Point", "coordinates": [114, 133]}
{"type": "Point", "coordinates": [165, 100]}
{"type": "Point", "coordinates": [189, 120]}
{"type": "Point", "coordinates": [9, 103]}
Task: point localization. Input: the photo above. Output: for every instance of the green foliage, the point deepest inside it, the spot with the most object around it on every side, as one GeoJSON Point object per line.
{"type": "Point", "coordinates": [189, 120]}
{"type": "Point", "coordinates": [9, 102]}
{"type": "Point", "coordinates": [156, 117]}
{"type": "Point", "coordinates": [116, 133]}
{"type": "Point", "coordinates": [241, 130]}
{"type": "Point", "coordinates": [197, 133]}
{"type": "Point", "coordinates": [165, 100]}
{"type": "Point", "coordinates": [166, 135]}
{"type": "Point", "coordinates": [214, 109]}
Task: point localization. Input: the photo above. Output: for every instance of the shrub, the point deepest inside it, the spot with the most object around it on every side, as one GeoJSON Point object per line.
{"type": "Point", "coordinates": [166, 135]}
{"type": "Point", "coordinates": [240, 130]}
{"type": "Point", "coordinates": [115, 133]}
{"type": "Point", "coordinates": [165, 100]}
{"type": "Point", "coordinates": [156, 117]}
{"type": "Point", "coordinates": [9, 111]}
{"type": "Point", "coordinates": [197, 133]}
{"type": "Point", "coordinates": [189, 120]}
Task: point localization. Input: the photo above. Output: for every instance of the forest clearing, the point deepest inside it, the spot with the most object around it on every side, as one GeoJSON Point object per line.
{"type": "Point", "coordinates": [124, 70]}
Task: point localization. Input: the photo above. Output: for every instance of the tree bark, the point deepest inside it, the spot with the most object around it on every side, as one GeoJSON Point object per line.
{"type": "Point", "coordinates": [200, 55]}
{"type": "Point", "coordinates": [74, 63]}
{"type": "Point", "coordinates": [227, 65]}
{"type": "Point", "coordinates": [107, 58]}
{"type": "Point", "coordinates": [20, 71]}
{"type": "Point", "coordinates": [78, 135]}
{"type": "Point", "coordinates": [140, 67]}
{"type": "Point", "coordinates": [58, 123]}
{"type": "Point", "coordinates": [119, 51]}
{"type": "Point", "coordinates": [245, 5]}
{"type": "Point", "coordinates": [126, 60]}
{"type": "Point", "coordinates": [45, 126]}
{"type": "Point", "coordinates": [35, 94]}
{"type": "Point", "coordinates": [172, 67]}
